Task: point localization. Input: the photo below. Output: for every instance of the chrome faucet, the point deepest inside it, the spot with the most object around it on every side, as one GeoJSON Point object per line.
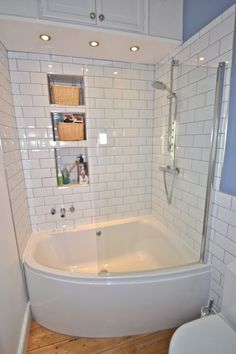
{"type": "Point", "coordinates": [63, 212]}
{"type": "Point", "coordinates": [53, 211]}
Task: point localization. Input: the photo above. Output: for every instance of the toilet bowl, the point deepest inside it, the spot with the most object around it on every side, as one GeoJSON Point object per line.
{"type": "Point", "coordinates": [215, 334]}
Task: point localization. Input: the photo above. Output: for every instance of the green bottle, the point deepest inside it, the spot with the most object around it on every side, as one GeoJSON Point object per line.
{"type": "Point", "coordinates": [59, 179]}
{"type": "Point", "coordinates": [65, 174]}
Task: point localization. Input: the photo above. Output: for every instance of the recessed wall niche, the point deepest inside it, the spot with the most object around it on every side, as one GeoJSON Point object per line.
{"type": "Point", "coordinates": [66, 90]}
{"type": "Point", "coordinates": [71, 166]}
{"type": "Point", "coordinates": [68, 126]}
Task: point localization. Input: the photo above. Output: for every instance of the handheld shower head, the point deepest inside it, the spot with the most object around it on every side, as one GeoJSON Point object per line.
{"type": "Point", "coordinates": [159, 85]}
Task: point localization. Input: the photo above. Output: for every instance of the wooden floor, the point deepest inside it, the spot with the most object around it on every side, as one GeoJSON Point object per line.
{"type": "Point", "coordinates": [43, 341]}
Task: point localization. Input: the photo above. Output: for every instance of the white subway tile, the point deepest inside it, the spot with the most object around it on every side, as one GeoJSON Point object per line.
{"type": "Point", "coordinates": [222, 29]}
{"type": "Point", "coordinates": [28, 65]}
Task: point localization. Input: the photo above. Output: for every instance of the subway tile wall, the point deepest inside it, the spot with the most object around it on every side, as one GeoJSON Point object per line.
{"type": "Point", "coordinates": [194, 83]}
{"type": "Point", "coordinates": [118, 102]}
{"type": "Point", "coordinates": [12, 155]}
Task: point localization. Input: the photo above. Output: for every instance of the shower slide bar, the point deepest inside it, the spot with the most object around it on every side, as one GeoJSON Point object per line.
{"type": "Point", "coordinates": [212, 158]}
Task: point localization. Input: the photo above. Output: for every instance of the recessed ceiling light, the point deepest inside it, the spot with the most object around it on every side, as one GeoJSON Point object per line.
{"type": "Point", "coordinates": [115, 72]}
{"type": "Point", "coordinates": [134, 48]}
{"type": "Point", "coordinates": [45, 37]}
{"type": "Point", "coordinates": [50, 65]}
{"type": "Point", "coordinates": [94, 43]}
{"type": "Point", "coordinates": [201, 58]}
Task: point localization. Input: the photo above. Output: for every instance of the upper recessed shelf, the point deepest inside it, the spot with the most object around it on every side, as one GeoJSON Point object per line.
{"type": "Point", "coordinates": [66, 90]}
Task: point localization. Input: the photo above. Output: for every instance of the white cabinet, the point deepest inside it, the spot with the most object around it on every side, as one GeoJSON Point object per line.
{"type": "Point", "coordinates": [166, 18]}
{"type": "Point", "coordinates": [128, 15]}
{"type": "Point", "coordinates": [25, 8]}
{"type": "Point", "coordinates": [125, 15]}
{"type": "Point", "coordinates": [159, 18]}
{"type": "Point", "coordinates": [78, 11]}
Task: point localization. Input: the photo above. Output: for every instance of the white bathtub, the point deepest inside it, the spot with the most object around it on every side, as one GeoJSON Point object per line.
{"type": "Point", "coordinates": [134, 278]}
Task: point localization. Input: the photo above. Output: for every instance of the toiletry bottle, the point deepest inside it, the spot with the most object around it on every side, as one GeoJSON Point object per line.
{"type": "Point", "coordinates": [83, 177]}
{"type": "Point", "coordinates": [59, 179]}
{"type": "Point", "coordinates": [86, 168]}
{"type": "Point", "coordinates": [65, 174]}
{"type": "Point", "coordinates": [85, 164]}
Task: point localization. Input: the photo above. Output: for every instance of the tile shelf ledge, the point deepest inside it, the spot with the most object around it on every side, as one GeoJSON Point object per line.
{"type": "Point", "coordinates": [68, 144]}
{"type": "Point", "coordinates": [69, 109]}
{"type": "Point", "coordinates": [73, 185]}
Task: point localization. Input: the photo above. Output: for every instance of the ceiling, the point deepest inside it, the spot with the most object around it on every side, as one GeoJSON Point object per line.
{"type": "Point", "coordinates": [19, 34]}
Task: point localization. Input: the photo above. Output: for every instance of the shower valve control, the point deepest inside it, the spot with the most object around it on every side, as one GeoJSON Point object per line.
{"type": "Point", "coordinates": [72, 209]}
{"type": "Point", "coordinates": [63, 212]}
{"type": "Point", "coordinates": [53, 211]}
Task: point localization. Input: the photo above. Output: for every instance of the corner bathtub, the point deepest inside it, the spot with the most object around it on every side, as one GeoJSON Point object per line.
{"type": "Point", "coordinates": [131, 279]}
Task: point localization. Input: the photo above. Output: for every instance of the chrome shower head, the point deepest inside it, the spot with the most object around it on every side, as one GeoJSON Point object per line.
{"type": "Point", "coordinates": [159, 85]}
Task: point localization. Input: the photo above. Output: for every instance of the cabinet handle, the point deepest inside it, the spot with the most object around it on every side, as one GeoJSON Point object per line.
{"type": "Point", "coordinates": [101, 17]}
{"type": "Point", "coordinates": [92, 15]}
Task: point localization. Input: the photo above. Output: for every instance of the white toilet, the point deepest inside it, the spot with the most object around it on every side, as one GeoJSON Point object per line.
{"type": "Point", "coordinates": [215, 334]}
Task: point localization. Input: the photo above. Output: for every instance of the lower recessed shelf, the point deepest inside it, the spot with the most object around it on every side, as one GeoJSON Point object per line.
{"type": "Point", "coordinates": [71, 166]}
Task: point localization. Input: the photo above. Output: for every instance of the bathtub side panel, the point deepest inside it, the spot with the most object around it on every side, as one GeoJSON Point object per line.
{"type": "Point", "coordinates": [119, 308]}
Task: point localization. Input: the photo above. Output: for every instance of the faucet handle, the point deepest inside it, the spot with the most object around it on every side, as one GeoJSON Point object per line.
{"type": "Point", "coordinates": [72, 209]}
{"type": "Point", "coordinates": [53, 211]}
{"type": "Point", "coordinates": [63, 212]}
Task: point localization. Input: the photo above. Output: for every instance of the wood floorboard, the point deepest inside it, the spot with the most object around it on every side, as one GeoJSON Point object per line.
{"type": "Point", "coordinates": [43, 341]}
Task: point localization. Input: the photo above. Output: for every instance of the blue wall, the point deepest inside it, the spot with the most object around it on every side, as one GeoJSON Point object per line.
{"type": "Point", "coordinates": [198, 13]}
{"type": "Point", "coordinates": [228, 180]}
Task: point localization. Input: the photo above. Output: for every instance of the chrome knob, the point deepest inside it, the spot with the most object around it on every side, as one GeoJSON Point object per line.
{"type": "Point", "coordinates": [63, 212]}
{"type": "Point", "coordinates": [92, 15]}
{"type": "Point", "coordinates": [72, 209]}
{"type": "Point", "coordinates": [98, 232]}
{"type": "Point", "coordinates": [101, 17]}
{"type": "Point", "coordinates": [53, 211]}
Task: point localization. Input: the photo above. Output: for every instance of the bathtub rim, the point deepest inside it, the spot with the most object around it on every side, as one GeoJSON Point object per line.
{"type": "Point", "coordinates": [129, 278]}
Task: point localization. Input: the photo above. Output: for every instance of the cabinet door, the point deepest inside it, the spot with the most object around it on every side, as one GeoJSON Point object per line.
{"type": "Point", "coordinates": [166, 18]}
{"type": "Point", "coordinates": [126, 15]}
{"type": "Point", "coordinates": [25, 8]}
{"type": "Point", "coordinates": [77, 11]}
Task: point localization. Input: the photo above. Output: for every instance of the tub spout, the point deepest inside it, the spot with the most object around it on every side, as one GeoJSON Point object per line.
{"type": "Point", "coordinates": [63, 212]}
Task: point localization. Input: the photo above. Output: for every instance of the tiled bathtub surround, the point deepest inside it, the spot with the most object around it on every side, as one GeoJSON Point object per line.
{"type": "Point", "coordinates": [119, 102]}
{"type": "Point", "coordinates": [194, 83]}
{"type": "Point", "coordinates": [12, 155]}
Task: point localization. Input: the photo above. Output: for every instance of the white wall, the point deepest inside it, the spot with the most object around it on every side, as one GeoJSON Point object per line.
{"type": "Point", "coordinates": [119, 104]}
{"type": "Point", "coordinates": [13, 297]}
{"type": "Point", "coordinates": [12, 155]}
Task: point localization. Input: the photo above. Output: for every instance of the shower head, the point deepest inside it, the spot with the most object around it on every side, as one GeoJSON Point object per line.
{"type": "Point", "coordinates": [159, 85]}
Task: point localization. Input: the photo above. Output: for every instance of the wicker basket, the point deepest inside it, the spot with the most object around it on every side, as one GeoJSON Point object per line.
{"type": "Point", "coordinates": [65, 95]}
{"type": "Point", "coordinates": [70, 131]}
